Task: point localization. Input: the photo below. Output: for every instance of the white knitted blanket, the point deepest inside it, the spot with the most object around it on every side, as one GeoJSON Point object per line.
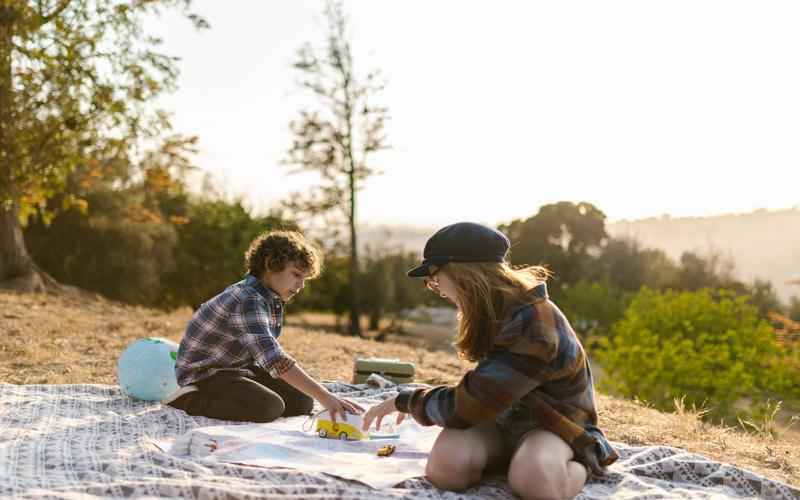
{"type": "Point", "coordinates": [83, 441]}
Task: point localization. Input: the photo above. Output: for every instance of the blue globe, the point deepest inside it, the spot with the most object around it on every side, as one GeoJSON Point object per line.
{"type": "Point", "coordinates": [146, 369]}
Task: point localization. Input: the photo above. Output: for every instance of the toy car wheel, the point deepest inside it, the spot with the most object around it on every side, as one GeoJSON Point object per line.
{"type": "Point", "coordinates": [343, 436]}
{"type": "Point", "coordinates": [323, 433]}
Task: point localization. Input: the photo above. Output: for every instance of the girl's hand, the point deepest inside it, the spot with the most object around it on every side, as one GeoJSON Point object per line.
{"type": "Point", "coordinates": [338, 406]}
{"type": "Point", "coordinates": [379, 411]}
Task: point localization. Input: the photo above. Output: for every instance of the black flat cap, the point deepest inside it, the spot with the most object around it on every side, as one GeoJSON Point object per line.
{"type": "Point", "coordinates": [462, 242]}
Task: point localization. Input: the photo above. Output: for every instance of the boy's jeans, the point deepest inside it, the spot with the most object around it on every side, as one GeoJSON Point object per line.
{"type": "Point", "coordinates": [231, 396]}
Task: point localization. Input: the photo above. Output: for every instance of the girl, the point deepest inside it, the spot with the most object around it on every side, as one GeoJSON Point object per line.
{"type": "Point", "coordinates": [529, 403]}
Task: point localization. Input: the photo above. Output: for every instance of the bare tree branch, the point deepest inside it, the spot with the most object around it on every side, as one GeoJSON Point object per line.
{"type": "Point", "coordinates": [44, 19]}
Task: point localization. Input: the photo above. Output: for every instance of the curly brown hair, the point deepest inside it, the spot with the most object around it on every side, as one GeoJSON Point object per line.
{"type": "Point", "coordinates": [272, 250]}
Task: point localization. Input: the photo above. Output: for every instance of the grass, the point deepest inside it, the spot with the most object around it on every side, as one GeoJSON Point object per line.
{"type": "Point", "coordinates": [72, 339]}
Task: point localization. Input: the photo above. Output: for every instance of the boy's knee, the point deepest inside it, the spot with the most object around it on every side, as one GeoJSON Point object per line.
{"type": "Point", "coordinates": [305, 406]}
{"type": "Point", "coordinates": [298, 404]}
{"type": "Point", "coordinates": [269, 408]}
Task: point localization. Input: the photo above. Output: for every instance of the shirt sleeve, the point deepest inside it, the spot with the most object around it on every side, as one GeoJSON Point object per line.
{"type": "Point", "coordinates": [521, 361]}
{"type": "Point", "coordinates": [259, 339]}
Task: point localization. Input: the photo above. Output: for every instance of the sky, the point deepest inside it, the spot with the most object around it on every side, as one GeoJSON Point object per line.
{"type": "Point", "coordinates": [686, 108]}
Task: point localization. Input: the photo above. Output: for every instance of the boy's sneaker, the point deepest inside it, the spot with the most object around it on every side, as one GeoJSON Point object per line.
{"type": "Point", "coordinates": [178, 398]}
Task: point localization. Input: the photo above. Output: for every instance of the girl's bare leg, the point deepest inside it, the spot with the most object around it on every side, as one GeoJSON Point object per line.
{"type": "Point", "coordinates": [542, 468]}
{"type": "Point", "coordinates": [459, 457]}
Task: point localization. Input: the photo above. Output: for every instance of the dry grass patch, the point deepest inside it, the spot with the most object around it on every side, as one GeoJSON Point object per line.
{"type": "Point", "coordinates": [47, 339]}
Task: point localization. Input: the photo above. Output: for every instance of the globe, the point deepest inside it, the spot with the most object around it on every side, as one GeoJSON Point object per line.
{"type": "Point", "coordinates": [146, 369]}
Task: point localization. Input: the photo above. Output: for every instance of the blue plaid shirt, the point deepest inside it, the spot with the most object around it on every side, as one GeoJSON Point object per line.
{"type": "Point", "coordinates": [235, 330]}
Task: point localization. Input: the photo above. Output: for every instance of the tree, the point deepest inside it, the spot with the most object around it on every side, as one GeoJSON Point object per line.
{"type": "Point", "coordinates": [390, 291]}
{"type": "Point", "coordinates": [564, 236]}
{"type": "Point", "coordinates": [337, 139]}
{"type": "Point", "coordinates": [764, 297]}
{"type": "Point", "coordinates": [629, 267]}
{"type": "Point", "coordinates": [140, 239]}
{"type": "Point", "coordinates": [75, 80]}
{"type": "Point", "coordinates": [210, 249]}
{"type": "Point", "coordinates": [793, 310]}
{"type": "Point", "coordinates": [711, 271]}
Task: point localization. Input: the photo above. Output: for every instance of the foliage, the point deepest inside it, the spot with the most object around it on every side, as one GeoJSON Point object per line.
{"type": "Point", "coordinates": [793, 310]}
{"type": "Point", "coordinates": [627, 266]}
{"type": "Point", "coordinates": [149, 243]}
{"type": "Point", "coordinates": [210, 252]}
{"type": "Point", "coordinates": [592, 307]}
{"type": "Point", "coordinates": [710, 346]}
{"type": "Point", "coordinates": [79, 77]}
{"type": "Point", "coordinates": [124, 259]}
{"type": "Point", "coordinates": [564, 236]}
{"type": "Point", "coordinates": [329, 292]}
{"type": "Point", "coordinates": [764, 297]}
{"type": "Point", "coordinates": [388, 290]}
{"type": "Point", "coordinates": [76, 81]}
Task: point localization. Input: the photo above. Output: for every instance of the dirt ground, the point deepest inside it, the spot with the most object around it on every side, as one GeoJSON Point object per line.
{"type": "Point", "coordinates": [71, 339]}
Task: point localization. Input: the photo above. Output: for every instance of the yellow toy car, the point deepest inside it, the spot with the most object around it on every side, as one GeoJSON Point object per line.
{"type": "Point", "coordinates": [349, 429]}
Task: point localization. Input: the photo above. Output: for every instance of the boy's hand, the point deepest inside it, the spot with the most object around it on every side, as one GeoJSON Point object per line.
{"type": "Point", "coordinates": [379, 411]}
{"type": "Point", "coordinates": [338, 406]}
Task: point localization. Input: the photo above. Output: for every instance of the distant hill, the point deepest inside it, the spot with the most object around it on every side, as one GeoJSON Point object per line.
{"type": "Point", "coordinates": [763, 244]}
{"type": "Point", "coordinates": [391, 237]}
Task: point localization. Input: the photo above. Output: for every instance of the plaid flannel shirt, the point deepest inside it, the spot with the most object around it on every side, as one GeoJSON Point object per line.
{"type": "Point", "coordinates": [233, 331]}
{"type": "Point", "coordinates": [536, 361]}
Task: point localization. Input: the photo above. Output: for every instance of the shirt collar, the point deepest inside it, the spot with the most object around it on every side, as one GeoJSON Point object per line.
{"type": "Point", "coordinates": [267, 293]}
{"type": "Point", "coordinates": [539, 292]}
{"type": "Point", "coordinates": [534, 295]}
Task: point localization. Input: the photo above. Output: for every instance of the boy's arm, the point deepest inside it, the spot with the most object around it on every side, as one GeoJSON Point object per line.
{"type": "Point", "coordinates": [300, 380]}
{"type": "Point", "coordinates": [267, 352]}
{"type": "Point", "coordinates": [258, 338]}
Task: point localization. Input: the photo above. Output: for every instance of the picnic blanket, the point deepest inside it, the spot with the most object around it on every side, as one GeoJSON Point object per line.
{"type": "Point", "coordinates": [287, 443]}
{"type": "Point", "coordinates": [83, 441]}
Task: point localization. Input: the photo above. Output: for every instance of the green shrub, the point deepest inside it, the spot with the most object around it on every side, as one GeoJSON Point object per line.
{"type": "Point", "coordinates": [209, 254]}
{"type": "Point", "coordinates": [708, 345]}
{"type": "Point", "coordinates": [123, 260]}
{"type": "Point", "coordinates": [592, 308]}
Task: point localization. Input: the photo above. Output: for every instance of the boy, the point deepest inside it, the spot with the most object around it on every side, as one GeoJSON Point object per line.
{"type": "Point", "coordinates": [230, 365]}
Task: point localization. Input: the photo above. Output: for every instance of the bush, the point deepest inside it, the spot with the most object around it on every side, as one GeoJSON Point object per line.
{"type": "Point", "coordinates": [182, 253]}
{"type": "Point", "coordinates": [210, 252]}
{"type": "Point", "coordinates": [708, 345]}
{"type": "Point", "coordinates": [592, 308]}
{"type": "Point", "coordinates": [123, 260]}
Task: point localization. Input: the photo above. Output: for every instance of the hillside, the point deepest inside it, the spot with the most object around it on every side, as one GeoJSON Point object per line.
{"type": "Point", "coordinates": [47, 339]}
{"type": "Point", "coordinates": [762, 244]}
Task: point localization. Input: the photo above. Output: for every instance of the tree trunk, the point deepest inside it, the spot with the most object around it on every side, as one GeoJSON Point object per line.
{"type": "Point", "coordinates": [7, 16]}
{"type": "Point", "coordinates": [375, 320]}
{"type": "Point", "coordinates": [17, 271]}
{"type": "Point", "coordinates": [355, 312]}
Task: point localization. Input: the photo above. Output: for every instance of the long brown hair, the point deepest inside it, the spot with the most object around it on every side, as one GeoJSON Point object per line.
{"type": "Point", "coordinates": [486, 292]}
